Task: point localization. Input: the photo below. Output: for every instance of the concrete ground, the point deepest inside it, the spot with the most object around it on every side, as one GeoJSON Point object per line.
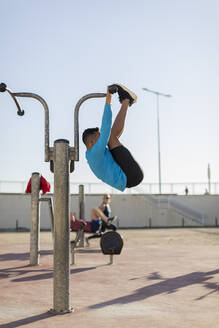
{"type": "Point", "coordinates": [165, 278]}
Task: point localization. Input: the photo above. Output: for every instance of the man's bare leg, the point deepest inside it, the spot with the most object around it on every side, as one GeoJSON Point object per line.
{"type": "Point", "coordinates": [118, 125]}
{"type": "Point", "coordinates": [73, 216]}
{"type": "Point", "coordinates": [96, 213]}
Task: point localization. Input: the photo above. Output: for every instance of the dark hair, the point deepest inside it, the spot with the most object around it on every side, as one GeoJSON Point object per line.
{"type": "Point", "coordinates": [89, 132]}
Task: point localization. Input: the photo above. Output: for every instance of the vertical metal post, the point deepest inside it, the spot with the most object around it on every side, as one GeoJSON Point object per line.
{"type": "Point", "coordinates": [51, 216]}
{"type": "Point", "coordinates": [111, 259]}
{"type": "Point", "coordinates": [49, 201]}
{"type": "Point", "coordinates": [81, 213]}
{"type": "Point", "coordinates": [61, 228]}
{"type": "Point", "coordinates": [73, 257]}
{"type": "Point", "coordinates": [35, 219]}
{"type": "Point", "coordinates": [158, 140]}
{"type": "Point", "coordinates": [158, 129]}
{"type": "Point", "coordinates": [209, 179]}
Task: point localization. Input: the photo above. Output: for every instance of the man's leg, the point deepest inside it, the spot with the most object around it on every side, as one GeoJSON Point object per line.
{"type": "Point", "coordinates": [122, 155]}
{"type": "Point", "coordinates": [126, 98]}
{"type": "Point", "coordinates": [118, 125]}
{"type": "Point", "coordinates": [73, 217]}
{"type": "Point", "coordinates": [96, 213]}
{"type": "Point", "coordinates": [94, 236]}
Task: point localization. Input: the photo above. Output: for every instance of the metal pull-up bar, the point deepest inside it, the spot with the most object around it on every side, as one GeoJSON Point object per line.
{"type": "Point", "coordinates": [76, 123]}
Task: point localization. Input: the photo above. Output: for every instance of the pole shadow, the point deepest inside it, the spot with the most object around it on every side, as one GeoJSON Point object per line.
{"type": "Point", "coordinates": [42, 273]}
{"type": "Point", "coordinates": [22, 256]}
{"type": "Point", "coordinates": [26, 321]}
{"type": "Point", "coordinates": [49, 275]}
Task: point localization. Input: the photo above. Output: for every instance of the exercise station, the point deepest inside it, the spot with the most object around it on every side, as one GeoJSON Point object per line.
{"type": "Point", "coordinates": [61, 158]}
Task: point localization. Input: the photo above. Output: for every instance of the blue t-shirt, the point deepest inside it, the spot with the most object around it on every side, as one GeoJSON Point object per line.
{"type": "Point", "coordinates": [100, 158]}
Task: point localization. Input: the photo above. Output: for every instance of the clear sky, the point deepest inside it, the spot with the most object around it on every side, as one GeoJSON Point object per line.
{"type": "Point", "coordinates": [63, 50]}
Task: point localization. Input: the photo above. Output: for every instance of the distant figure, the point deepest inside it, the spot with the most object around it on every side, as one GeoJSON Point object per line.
{"type": "Point", "coordinates": [105, 205]}
{"type": "Point", "coordinates": [100, 219]}
{"type": "Point", "coordinates": [186, 191]}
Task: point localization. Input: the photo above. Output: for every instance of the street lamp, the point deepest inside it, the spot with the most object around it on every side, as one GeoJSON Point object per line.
{"type": "Point", "coordinates": [209, 179]}
{"type": "Point", "coordinates": [158, 130]}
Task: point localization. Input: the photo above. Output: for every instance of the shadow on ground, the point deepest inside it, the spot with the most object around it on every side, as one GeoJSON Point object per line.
{"type": "Point", "coordinates": [44, 273]}
{"type": "Point", "coordinates": [166, 286]}
{"type": "Point", "coordinates": [26, 321]}
{"type": "Point", "coordinates": [21, 256]}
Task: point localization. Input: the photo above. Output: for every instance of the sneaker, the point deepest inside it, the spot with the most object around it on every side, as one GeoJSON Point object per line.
{"type": "Point", "coordinates": [125, 93]}
{"type": "Point", "coordinates": [112, 89]}
{"type": "Point", "coordinates": [112, 219]}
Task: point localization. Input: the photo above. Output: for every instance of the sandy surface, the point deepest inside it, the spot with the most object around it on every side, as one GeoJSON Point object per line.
{"type": "Point", "coordinates": [163, 278]}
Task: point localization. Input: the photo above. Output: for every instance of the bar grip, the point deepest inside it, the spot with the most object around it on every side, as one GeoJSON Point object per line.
{"type": "Point", "coordinates": [20, 113]}
{"type": "Point", "coordinates": [3, 87]}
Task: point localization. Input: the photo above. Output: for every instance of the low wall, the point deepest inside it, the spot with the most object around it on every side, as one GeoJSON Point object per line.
{"type": "Point", "coordinates": [133, 210]}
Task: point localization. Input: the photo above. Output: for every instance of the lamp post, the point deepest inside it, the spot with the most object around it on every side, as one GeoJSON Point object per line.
{"type": "Point", "coordinates": [158, 129]}
{"type": "Point", "coordinates": [209, 179]}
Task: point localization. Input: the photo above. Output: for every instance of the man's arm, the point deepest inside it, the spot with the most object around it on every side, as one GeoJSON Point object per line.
{"type": "Point", "coordinates": [102, 207]}
{"type": "Point", "coordinates": [108, 97]}
{"type": "Point", "coordinates": [105, 126]}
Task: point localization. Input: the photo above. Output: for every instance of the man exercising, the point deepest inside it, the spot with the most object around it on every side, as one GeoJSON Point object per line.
{"type": "Point", "coordinates": [109, 160]}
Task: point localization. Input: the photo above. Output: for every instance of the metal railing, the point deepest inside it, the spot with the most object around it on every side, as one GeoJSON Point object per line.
{"type": "Point", "coordinates": [170, 203]}
{"type": "Point", "coordinates": [195, 188]}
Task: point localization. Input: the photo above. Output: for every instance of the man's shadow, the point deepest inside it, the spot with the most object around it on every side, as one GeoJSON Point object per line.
{"type": "Point", "coordinates": [166, 286]}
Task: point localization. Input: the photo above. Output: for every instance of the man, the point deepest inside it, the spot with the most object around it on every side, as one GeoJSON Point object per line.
{"type": "Point", "coordinates": [105, 205]}
{"type": "Point", "coordinates": [100, 219]}
{"type": "Point", "coordinates": [109, 160]}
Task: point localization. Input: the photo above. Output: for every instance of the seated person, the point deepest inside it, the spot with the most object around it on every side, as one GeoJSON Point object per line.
{"type": "Point", "coordinates": [98, 224]}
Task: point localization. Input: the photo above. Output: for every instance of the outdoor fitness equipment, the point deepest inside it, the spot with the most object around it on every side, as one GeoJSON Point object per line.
{"type": "Point", "coordinates": [111, 244]}
{"type": "Point", "coordinates": [59, 156]}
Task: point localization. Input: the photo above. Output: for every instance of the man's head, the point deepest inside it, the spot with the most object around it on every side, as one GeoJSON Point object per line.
{"type": "Point", "coordinates": [90, 137]}
{"type": "Point", "coordinates": [106, 198]}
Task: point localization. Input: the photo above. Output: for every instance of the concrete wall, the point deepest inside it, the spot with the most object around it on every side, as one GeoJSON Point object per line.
{"type": "Point", "coordinates": [132, 210]}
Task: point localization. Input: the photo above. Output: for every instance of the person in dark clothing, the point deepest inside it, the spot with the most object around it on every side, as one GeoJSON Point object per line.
{"type": "Point", "coordinates": [106, 209]}
{"type": "Point", "coordinates": [101, 220]}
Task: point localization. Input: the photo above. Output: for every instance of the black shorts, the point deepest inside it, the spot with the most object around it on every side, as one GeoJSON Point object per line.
{"type": "Point", "coordinates": [128, 164]}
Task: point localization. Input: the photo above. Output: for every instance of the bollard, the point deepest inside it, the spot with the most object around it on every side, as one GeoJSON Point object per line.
{"type": "Point", "coordinates": [35, 219]}
{"type": "Point", "coordinates": [81, 213]}
{"type": "Point", "coordinates": [183, 222]}
{"type": "Point", "coordinates": [61, 228]}
{"type": "Point", "coordinates": [17, 225]}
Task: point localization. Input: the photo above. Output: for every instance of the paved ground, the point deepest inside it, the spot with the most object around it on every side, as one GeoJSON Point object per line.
{"type": "Point", "coordinates": [164, 278]}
